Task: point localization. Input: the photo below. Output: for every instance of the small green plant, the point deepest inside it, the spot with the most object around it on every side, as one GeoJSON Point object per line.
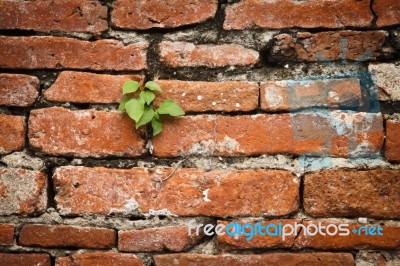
{"type": "Point", "coordinates": [142, 110]}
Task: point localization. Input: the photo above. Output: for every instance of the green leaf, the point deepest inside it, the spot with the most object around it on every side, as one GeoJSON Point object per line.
{"type": "Point", "coordinates": [146, 117]}
{"type": "Point", "coordinates": [170, 107]}
{"type": "Point", "coordinates": [121, 106]}
{"type": "Point", "coordinates": [130, 86]}
{"type": "Point", "coordinates": [147, 96]}
{"type": "Point", "coordinates": [135, 108]}
{"type": "Point", "coordinates": [151, 85]}
{"type": "Point", "coordinates": [157, 126]}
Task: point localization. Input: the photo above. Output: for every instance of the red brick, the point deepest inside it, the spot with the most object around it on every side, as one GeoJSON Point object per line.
{"type": "Point", "coordinates": [342, 193]}
{"type": "Point", "coordinates": [86, 133]}
{"type": "Point", "coordinates": [22, 191]}
{"type": "Point", "coordinates": [12, 133]}
{"type": "Point", "coordinates": [147, 14]}
{"type": "Point", "coordinates": [258, 241]}
{"type": "Point", "coordinates": [99, 258]}
{"type": "Point", "coordinates": [291, 94]}
{"type": "Point", "coordinates": [18, 90]}
{"type": "Point", "coordinates": [184, 54]}
{"type": "Point", "coordinates": [360, 133]}
{"type": "Point", "coordinates": [81, 87]}
{"type": "Point", "coordinates": [392, 144]}
{"type": "Point", "coordinates": [61, 52]}
{"type": "Point", "coordinates": [21, 259]}
{"type": "Point", "coordinates": [171, 238]}
{"type": "Point", "coordinates": [389, 240]}
{"type": "Point", "coordinates": [60, 15]}
{"type": "Point", "coordinates": [249, 14]}
{"type": "Point", "coordinates": [42, 235]}
{"type": "Point", "coordinates": [305, 46]}
{"type": "Point", "coordinates": [287, 259]}
{"type": "Point", "coordinates": [7, 234]}
{"type": "Point", "coordinates": [387, 11]}
{"type": "Point", "coordinates": [81, 190]}
{"type": "Point", "coordinates": [199, 96]}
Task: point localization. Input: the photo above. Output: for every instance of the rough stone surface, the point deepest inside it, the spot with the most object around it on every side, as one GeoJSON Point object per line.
{"type": "Point", "coordinates": [280, 14]}
{"type": "Point", "coordinates": [60, 15]}
{"type": "Point", "coordinates": [22, 160]}
{"type": "Point", "coordinates": [345, 193]}
{"type": "Point", "coordinates": [345, 134]}
{"type": "Point", "coordinates": [387, 78]}
{"type": "Point", "coordinates": [376, 258]}
{"type": "Point", "coordinates": [99, 258]}
{"type": "Point", "coordinates": [42, 235]}
{"type": "Point", "coordinates": [18, 90]}
{"type": "Point", "coordinates": [12, 133]}
{"type": "Point", "coordinates": [312, 47]}
{"type": "Point", "coordinates": [227, 242]}
{"type": "Point", "coordinates": [289, 259]}
{"type": "Point", "coordinates": [85, 133]}
{"type": "Point", "coordinates": [388, 12]}
{"type": "Point", "coordinates": [22, 191]}
{"type": "Point", "coordinates": [392, 144]}
{"type": "Point", "coordinates": [7, 234]}
{"type": "Point", "coordinates": [171, 238]}
{"type": "Point", "coordinates": [81, 87]}
{"type": "Point", "coordinates": [145, 14]}
{"type": "Point", "coordinates": [230, 193]}
{"type": "Point", "coordinates": [291, 94]}
{"type": "Point", "coordinates": [200, 96]}
{"type": "Point", "coordinates": [184, 54]}
{"type": "Point", "coordinates": [37, 259]}
{"type": "Point", "coordinates": [61, 52]}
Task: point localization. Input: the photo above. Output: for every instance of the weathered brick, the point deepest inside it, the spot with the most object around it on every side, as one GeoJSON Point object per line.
{"type": "Point", "coordinates": [171, 238]}
{"type": "Point", "coordinates": [86, 133]}
{"type": "Point", "coordinates": [389, 239]}
{"type": "Point", "coordinates": [199, 96]}
{"type": "Point", "coordinates": [81, 87]}
{"type": "Point", "coordinates": [184, 54]}
{"type": "Point", "coordinates": [387, 78]}
{"type": "Point", "coordinates": [60, 15]}
{"type": "Point", "coordinates": [6, 233]}
{"type": "Point", "coordinates": [287, 259]}
{"type": "Point", "coordinates": [342, 193]}
{"type": "Point", "coordinates": [280, 14]}
{"type": "Point", "coordinates": [147, 14]}
{"type": "Point", "coordinates": [12, 133]}
{"type": "Point", "coordinates": [291, 94]}
{"type": "Point", "coordinates": [258, 241]}
{"type": "Point", "coordinates": [61, 52]}
{"type": "Point", "coordinates": [82, 190]}
{"type": "Point", "coordinates": [42, 235]}
{"type": "Point", "coordinates": [344, 134]}
{"type": "Point", "coordinates": [18, 90]}
{"type": "Point", "coordinates": [392, 144]}
{"type": "Point", "coordinates": [21, 259]}
{"type": "Point", "coordinates": [22, 191]}
{"type": "Point", "coordinates": [99, 258]}
{"type": "Point", "coordinates": [387, 11]}
{"type": "Point", "coordinates": [305, 46]}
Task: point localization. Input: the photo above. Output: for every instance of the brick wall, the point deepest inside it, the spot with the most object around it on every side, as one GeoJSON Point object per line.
{"type": "Point", "coordinates": [292, 115]}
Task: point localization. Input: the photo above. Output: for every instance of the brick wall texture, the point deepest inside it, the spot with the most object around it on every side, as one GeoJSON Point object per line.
{"type": "Point", "coordinates": [292, 116]}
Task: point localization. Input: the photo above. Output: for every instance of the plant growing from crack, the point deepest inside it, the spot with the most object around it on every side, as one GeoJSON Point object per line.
{"type": "Point", "coordinates": [142, 110]}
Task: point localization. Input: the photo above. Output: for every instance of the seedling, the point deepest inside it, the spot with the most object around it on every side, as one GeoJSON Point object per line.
{"type": "Point", "coordinates": [142, 110]}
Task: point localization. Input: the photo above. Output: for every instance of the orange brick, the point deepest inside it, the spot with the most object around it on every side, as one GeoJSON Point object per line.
{"type": "Point", "coordinates": [231, 193]}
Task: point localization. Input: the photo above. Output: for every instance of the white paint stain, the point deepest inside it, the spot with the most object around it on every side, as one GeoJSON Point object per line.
{"type": "Point", "coordinates": [205, 194]}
